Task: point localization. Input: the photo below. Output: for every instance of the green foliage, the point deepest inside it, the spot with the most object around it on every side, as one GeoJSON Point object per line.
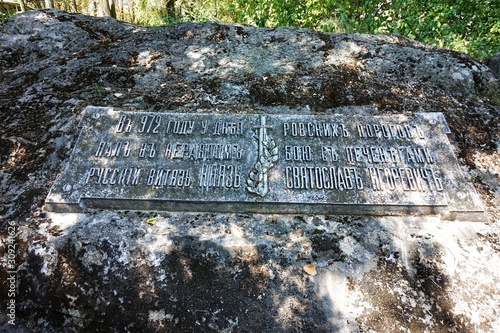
{"type": "Point", "coordinates": [4, 15]}
{"type": "Point", "coordinates": [471, 26]}
{"type": "Point", "coordinates": [464, 25]}
{"type": "Point", "coordinates": [314, 14]}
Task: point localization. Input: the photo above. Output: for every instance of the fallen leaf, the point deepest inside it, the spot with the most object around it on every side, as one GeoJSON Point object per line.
{"type": "Point", "coordinates": [310, 269]}
{"type": "Point", "coordinates": [151, 220]}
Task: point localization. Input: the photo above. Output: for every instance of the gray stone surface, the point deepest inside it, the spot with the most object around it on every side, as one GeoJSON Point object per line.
{"type": "Point", "coordinates": [118, 271]}
{"type": "Point", "coordinates": [493, 62]}
{"type": "Point", "coordinates": [373, 165]}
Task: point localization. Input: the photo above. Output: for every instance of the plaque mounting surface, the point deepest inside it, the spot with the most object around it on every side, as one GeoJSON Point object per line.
{"type": "Point", "coordinates": [371, 165]}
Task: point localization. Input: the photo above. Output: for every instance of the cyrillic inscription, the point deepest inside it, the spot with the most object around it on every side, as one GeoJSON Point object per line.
{"type": "Point", "coordinates": [385, 130]}
{"type": "Point", "coordinates": [383, 154]}
{"type": "Point", "coordinates": [407, 179]}
{"type": "Point", "coordinates": [204, 151]}
{"type": "Point", "coordinates": [298, 153]}
{"type": "Point", "coordinates": [264, 163]}
{"type": "Point", "coordinates": [169, 177]}
{"type": "Point", "coordinates": [315, 129]}
{"type": "Point", "coordinates": [113, 149]}
{"type": "Point", "coordinates": [220, 175]}
{"type": "Point", "coordinates": [113, 176]}
{"type": "Point", "coordinates": [328, 178]}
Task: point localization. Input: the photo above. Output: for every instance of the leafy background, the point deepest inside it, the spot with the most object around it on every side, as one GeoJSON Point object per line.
{"type": "Point", "coordinates": [469, 26]}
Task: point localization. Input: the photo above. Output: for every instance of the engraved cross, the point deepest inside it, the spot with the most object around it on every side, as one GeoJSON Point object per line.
{"type": "Point", "coordinates": [262, 135]}
{"type": "Point", "coordinates": [268, 156]}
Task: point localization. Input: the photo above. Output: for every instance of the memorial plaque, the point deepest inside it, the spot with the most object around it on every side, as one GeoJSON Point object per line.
{"type": "Point", "coordinates": [371, 165]}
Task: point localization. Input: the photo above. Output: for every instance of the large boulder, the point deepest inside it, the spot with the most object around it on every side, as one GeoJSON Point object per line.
{"type": "Point", "coordinates": [112, 271]}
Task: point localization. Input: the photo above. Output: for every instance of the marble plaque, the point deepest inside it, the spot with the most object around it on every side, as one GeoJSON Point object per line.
{"type": "Point", "coordinates": [312, 164]}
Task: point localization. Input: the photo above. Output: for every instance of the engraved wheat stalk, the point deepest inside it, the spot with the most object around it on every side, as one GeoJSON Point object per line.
{"type": "Point", "coordinates": [257, 180]}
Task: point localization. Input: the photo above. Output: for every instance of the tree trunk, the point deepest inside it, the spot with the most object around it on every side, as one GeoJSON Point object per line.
{"type": "Point", "coordinates": [171, 8]}
{"type": "Point", "coordinates": [21, 4]}
{"type": "Point", "coordinates": [105, 8]}
{"type": "Point", "coordinates": [109, 10]}
{"type": "Point", "coordinates": [112, 11]}
{"type": "Point", "coordinates": [132, 11]}
{"type": "Point", "coordinates": [49, 4]}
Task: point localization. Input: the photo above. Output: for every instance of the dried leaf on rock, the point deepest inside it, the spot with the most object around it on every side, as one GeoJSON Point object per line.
{"type": "Point", "coordinates": [310, 269]}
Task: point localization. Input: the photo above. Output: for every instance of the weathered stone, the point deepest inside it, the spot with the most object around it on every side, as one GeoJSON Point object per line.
{"type": "Point", "coordinates": [116, 271]}
{"type": "Point", "coordinates": [334, 164]}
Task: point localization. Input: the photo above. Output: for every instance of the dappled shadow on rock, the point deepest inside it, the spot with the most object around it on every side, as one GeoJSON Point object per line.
{"type": "Point", "coordinates": [111, 276]}
{"type": "Point", "coordinates": [161, 272]}
{"type": "Point", "coordinates": [418, 302]}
